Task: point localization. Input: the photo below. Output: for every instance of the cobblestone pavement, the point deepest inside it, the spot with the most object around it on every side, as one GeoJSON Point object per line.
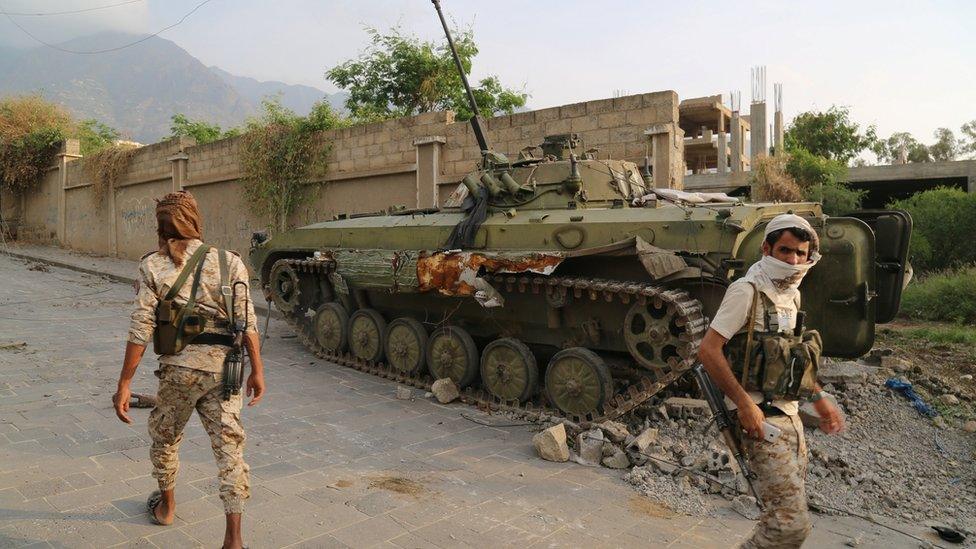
{"type": "Point", "coordinates": [336, 460]}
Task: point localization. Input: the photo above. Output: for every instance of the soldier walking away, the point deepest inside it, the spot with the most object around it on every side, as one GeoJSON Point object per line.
{"type": "Point", "coordinates": [187, 293]}
{"type": "Point", "coordinates": [759, 312]}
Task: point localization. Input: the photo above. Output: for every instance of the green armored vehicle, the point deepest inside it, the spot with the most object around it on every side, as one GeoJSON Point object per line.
{"type": "Point", "coordinates": [561, 280]}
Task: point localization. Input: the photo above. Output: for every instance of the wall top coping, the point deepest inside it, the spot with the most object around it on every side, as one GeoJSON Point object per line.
{"type": "Point", "coordinates": [178, 156]}
{"type": "Point", "coordinates": [429, 139]}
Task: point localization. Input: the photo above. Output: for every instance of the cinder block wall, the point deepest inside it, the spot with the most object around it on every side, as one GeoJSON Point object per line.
{"type": "Point", "coordinates": [370, 167]}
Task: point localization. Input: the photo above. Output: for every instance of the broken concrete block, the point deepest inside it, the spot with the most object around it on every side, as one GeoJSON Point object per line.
{"type": "Point", "coordinates": [445, 390]}
{"type": "Point", "coordinates": [403, 393]}
{"type": "Point", "coordinates": [746, 506]}
{"type": "Point", "coordinates": [589, 444]}
{"type": "Point", "coordinates": [617, 432]}
{"type": "Point", "coordinates": [644, 440]}
{"type": "Point", "coordinates": [551, 445]}
{"type": "Point", "coordinates": [663, 463]}
{"type": "Point", "coordinates": [846, 372]}
{"type": "Point", "coordinates": [617, 460]}
{"type": "Point", "coordinates": [684, 408]}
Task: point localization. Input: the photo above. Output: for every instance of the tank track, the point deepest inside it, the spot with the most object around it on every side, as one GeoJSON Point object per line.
{"type": "Point", "coordinates": [688, 311]}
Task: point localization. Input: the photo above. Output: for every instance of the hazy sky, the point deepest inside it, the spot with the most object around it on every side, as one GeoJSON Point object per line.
{"type": "Point", "coordinates": [905, 66]}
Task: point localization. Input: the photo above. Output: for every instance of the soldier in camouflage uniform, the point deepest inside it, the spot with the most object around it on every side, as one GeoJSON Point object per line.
{"type": "Point", "coordinates": [191, 379]}
{"type": "Point", "coordinates": [789, 251]}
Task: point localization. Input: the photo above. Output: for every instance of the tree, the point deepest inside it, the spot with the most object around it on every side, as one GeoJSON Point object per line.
{"type": "Point", "coordinates": [968, 145]}
{"type": "Point", "coordinates": [280, 154]}
{"type": "Point", "coordinates": [890, 150]}
{"type": "Point", "coordinates": [830, 134]}
{"type": "Point", "coordinates": [400, 75]}
{"type": "Point", "coordinates": [199, 131]}
{"type": "Point", "coordinates": [94, 136]}
{"type": "Point", "coordinates": [946, 147]}
{"type": "Point", "coordinates": [31, 128]}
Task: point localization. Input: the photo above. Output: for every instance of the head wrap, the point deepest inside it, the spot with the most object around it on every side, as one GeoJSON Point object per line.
{"type": "Point", "coordinates": [177, 222]}
{"type": "Point", "coordinates": [779, 280]}
{"type": "Point", "coordinates": [793, 221]}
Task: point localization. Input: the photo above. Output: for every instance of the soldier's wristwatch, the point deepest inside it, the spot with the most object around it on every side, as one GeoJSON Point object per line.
{"type": "Point", "coordinates": [818, 395]}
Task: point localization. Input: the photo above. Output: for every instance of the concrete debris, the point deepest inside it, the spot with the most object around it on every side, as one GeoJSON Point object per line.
{"type": "Point", "coordinates": [40, 267]}
{"type": "Point", "coordinates": [644, 440]}
{"type": "Point", "coordinates": [12, 345]}
{"type": "Point", "coordinates": [898, 365]}
{"type": "Point", "coordinates": [948, 399]}
{"type": "Point", "coordinates": [684, 408]}
{"type": "Point", "coordinates": [617, 432]}
{"type": "Point", "coordinates": [617, 459]}
{"type": "Point", "coordinates": [846, 372]}
{"type": "Point", "coordinates": [969, 426]}
{"type": "Point", "coordinates": [855, 541]}
{"type": "Point", "coordinates": [676, 494]}
{"type": "Point", "coordinates": [966, 377]}
{"type": "Point", "coordinates": [551, 444]}
{"type": "Point", "coordinates": [746, 506]}
{"type": "Point", "coordinates": [589, 445]}
{"type": "Point", "coordinates": [404, 393]}
{"type": "Point", "coordinates": [445, 390]}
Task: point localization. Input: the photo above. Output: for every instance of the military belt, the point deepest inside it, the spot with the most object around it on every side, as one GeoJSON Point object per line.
{"type": "Point", "coordinates": [213, 339]}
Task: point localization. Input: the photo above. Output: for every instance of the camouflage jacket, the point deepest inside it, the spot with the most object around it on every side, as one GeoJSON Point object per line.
{"type": "Point", "coordinates": [156, 275]}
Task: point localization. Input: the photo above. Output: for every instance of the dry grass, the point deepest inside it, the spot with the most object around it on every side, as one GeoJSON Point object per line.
{"type": "Point", "coordinates": [105, 167]}
{"type": "Point", "coordinates": [771, 183]}
{"type": "Point", "coordinates": [19, 116]}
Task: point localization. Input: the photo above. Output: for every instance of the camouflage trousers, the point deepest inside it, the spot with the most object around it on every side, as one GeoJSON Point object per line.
{"type": "Point", "coordinates": [182, 390]}
{"type": "Point", "coordinates": [780, 468]}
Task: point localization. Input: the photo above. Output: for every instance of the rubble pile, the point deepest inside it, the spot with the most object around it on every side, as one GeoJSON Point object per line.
{"type": "Point", "coordinates": [890, 461]}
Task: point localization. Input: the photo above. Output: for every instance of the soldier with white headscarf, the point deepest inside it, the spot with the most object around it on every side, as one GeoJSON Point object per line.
{"type": "Point", "coordinates": [790, 249]}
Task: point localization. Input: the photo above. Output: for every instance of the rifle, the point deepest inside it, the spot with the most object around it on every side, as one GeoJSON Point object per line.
{"type": "Point", "coordinates": [723, 420]}
{"type": "Point", "coordinates": [233, 374]}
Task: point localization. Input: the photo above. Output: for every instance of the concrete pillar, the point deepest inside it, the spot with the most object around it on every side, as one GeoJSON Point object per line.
{"type": "Point", "coordinates": [667, 152]}
{"type": "Point", "coordinates": [778, 133]}
{"type": "Point", "coordinates": [735, 132]}
{"type": "Point", "coordinates": [180, 163]}
{"type": "Point", "coordinates": [723, 154]}
{"type": "Point", "coordinates": [757, 123]}
{"type": "Point", "coordinates": [428, 169]}
{"type": "Point", "coordinates": [70, 150]}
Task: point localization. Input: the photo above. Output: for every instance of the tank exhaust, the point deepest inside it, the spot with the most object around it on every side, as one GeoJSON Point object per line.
{"type": "Point", "coordinates": [479, 134]}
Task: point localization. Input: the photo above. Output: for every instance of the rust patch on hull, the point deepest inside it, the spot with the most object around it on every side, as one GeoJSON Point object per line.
{"type": "Point", "coordinates": [456, 273]}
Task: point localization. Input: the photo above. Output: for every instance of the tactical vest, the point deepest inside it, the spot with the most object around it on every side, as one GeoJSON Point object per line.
{"type": "Point", "coordinates": [178, 326]}
{"type": "Point", "coordinates": [781, 366]}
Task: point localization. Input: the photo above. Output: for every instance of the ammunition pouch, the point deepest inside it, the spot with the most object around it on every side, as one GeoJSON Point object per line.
{"type": "Point", "coordinates": [780, 366]}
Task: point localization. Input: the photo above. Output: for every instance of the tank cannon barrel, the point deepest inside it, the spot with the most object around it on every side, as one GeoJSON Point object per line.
{"type": "Point", "coordinates": [479, 134]}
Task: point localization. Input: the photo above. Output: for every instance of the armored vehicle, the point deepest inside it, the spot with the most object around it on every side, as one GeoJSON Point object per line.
{"type": "Point", "coordinates": [562, 280]}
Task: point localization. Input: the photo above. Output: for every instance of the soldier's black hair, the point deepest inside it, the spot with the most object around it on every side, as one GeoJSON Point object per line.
{"type": "Point", "coordinates": [801, 234]}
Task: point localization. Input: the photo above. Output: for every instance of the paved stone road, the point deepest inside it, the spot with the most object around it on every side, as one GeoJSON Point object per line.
{"type": "Point", "coordinates": [336, 460]}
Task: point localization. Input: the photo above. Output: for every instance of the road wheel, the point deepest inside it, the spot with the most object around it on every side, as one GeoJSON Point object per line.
{"type": "Point", "coordinates": [284, 285]}
{"type": "Point", "coordinates": [367, 335]}
{"type": "Point", "coordinates": [452, 353]}
{"type": "Point", "coordinates": [509, 370]}
{"type": "Point", "coordinates": [406, 345]}
{"type": "Point", "coordinates": [330, 327]}
{"type": "Point", "coordinates": [578, 381]}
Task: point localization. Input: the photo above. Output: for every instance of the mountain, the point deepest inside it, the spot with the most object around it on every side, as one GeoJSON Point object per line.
{"type": "Point", "coordinates": [296, 97]}
{"type": "Point", "coordinates": [138, 89]}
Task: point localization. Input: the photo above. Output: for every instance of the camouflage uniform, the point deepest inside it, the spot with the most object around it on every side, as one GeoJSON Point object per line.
{"type": "Point", "coordinates": [780, 467]}
{"type": "Point", "coordinates": [191, 379]}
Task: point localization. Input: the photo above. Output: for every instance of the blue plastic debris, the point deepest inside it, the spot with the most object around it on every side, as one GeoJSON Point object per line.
{"type": "Point", "coordinates": [905, 388]}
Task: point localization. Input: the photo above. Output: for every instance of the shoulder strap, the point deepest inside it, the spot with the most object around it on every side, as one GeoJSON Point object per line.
{"type": "Point", "coordinates": [225, 289]}
{"type": "Point", "coordinates": [187, 268]}
{"type": "Point", "coordinates": [752, 328]}
{"type": "Point", "coordinates": [190, 303]}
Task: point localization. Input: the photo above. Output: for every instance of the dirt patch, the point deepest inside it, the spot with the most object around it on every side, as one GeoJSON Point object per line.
{"type": "Point", "coordinates": [400, 485]}
{"type": "Point", "coordinates": [342, 483]}
{"type": "Point", "coordinates": [644, 506]}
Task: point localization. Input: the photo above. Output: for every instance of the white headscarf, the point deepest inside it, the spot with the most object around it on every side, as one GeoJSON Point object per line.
{"type": "Point", "coordinates": [779, 280]}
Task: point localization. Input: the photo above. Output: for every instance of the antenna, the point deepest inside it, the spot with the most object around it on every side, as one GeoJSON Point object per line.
{"type": "Point", "coordinates": [479, 134]}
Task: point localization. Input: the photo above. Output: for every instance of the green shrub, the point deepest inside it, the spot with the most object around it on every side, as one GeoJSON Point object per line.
{"type": "Point", "coordinates": [944, 226]}
{"type": "Point", "coordinates": [946, 296]}
{"type": "Point", "coordinates": [837, 198]}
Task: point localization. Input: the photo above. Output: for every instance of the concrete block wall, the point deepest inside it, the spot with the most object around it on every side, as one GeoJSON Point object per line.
{"type": "Point", "coordinates": [413, 162]}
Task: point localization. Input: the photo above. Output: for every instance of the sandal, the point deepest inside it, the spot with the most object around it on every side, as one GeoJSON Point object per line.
{"type": "Point", "coordinates": [151, 504]}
